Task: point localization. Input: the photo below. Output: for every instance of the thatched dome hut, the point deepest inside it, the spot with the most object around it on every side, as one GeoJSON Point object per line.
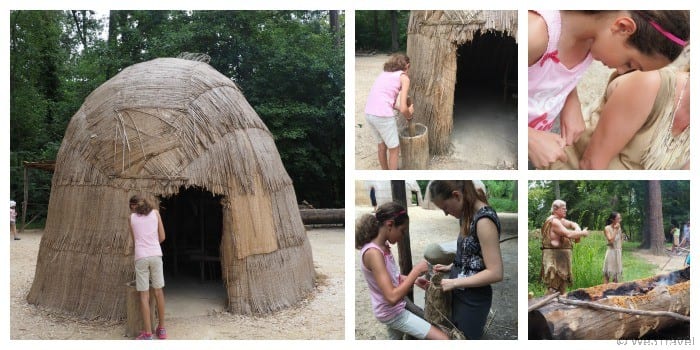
{"type": "Point", "coordinates": [183, 135]}
{"type": "Point", "coordinates": [435, 40]}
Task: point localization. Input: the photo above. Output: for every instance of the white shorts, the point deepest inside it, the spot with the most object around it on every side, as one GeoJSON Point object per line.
{"type": "Point", "coordinates": [149, 268]}
{"type": "Point", "coordinates": [384, 130]}
{"type": "Point", "coordinates": [407, 322]}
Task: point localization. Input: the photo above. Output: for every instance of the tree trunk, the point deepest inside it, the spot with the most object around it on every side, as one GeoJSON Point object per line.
{"type": "Point", "coordinates": [557, 320]}
{"type": "Point", "coordinates": [80, 26]}
{"type": "Point", "coordinates": [514, 195]}
{"type": "Point", "coordinates": [375, 15]}
{"type": "Point", "coordinates": [110, 70]}
{"type": "Point", "coordinates": [394, 31]}
{"type": "Point", "coordinates": [557, 191]}
{"type": "Point", "coordinates": [398, 195]}
{"type": "Point", "coordinates": [656, 219]}
{"type": "Point", "coordinates": [335, 26]}
{"type": "Point", "coordinates": [322, 216]}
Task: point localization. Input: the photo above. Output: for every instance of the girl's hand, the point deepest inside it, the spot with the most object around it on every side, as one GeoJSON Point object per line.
{"type": "Point", "coordinates": [442, 268]}
{"type": "Point", "coordinates": [448, 284]}
{"type": "Point", "coordinates": [422, 283]}
{"type": "Point", "coordinates": [545, 148]}
{"type": "Point", "coordinates": [421, 267]}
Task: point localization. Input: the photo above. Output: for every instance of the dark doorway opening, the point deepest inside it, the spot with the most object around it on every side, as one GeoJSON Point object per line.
{"type": "Point", "coordinates": [193, 221]}
{"type": "Point", "coordinates": [485, 110]}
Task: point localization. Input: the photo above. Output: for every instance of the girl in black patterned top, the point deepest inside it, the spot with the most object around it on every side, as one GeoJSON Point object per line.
{"type": "Point", "coordinates": [478, 261]}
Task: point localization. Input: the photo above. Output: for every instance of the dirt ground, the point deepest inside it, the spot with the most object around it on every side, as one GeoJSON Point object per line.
{"type": "Point", "coordinates": [320, 316]}
{"type": "Point", "coordinates": [432, 226]}
{"type": "Point", "coordinates": [664, 263]}
{"type": "Point", "coordinates": [484, 132]}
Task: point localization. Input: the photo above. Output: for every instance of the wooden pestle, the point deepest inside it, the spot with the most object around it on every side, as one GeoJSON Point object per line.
{"type": "Point", "coordinates": [411, 125]}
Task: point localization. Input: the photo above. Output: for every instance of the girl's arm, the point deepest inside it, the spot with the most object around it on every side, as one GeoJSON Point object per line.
{"type": "Point", "coordinates": [161, 230]}
{"type": "Point", "coordinates": [537, 37]}
{"type": "Point", "coordinates": [572, 124]}
{"type": "Point", "coordinates": [624, 113]}
{"type": "Point", "coordinates": [131, 233]}
{"type": "Point", "coordinates": [374, 261]}
{"type": "Point", "coordinates": [491, 250]}
{"type": "Point", "coordinates": [403, 97]}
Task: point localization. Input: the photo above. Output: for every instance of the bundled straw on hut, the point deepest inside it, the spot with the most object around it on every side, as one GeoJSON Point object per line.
{"type": "Point", "coordinates": [162, 128]}
{"type": "Point", "coordinates": [433, 41]}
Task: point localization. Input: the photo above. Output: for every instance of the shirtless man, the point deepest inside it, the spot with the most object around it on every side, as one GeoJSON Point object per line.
{"type": "Point", "coordinates": [558, 236]}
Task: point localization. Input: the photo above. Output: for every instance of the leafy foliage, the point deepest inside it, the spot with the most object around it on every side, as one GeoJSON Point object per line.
{"type": "Point", "coordinates": [289, 64]}
{"type": "Point", "coordinates": [373, 30]}
{"type": "Point", "coordinates": [590, 202]}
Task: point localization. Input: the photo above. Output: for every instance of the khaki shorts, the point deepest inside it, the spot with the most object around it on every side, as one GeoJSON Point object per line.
{"type": "Point", "coordinates": [149, 268]}
{"type": "Point", "coordinates": [384, 130]}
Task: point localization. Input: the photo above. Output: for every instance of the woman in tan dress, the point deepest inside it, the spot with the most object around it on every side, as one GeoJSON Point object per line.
{"type": "Point", "coordinates": [612, 267]}
{"type": "Point", "coordinates": [642, 122]}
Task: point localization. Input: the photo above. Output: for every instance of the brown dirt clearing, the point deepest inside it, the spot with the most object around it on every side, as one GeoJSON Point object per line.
{"type": "Point", "coordinates": [201, 316]}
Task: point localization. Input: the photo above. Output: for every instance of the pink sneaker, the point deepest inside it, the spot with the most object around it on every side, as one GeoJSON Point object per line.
{"type": "Point", "coordinates": [144, 336]}
{"type": "Point", "coordinates": [160, 332]}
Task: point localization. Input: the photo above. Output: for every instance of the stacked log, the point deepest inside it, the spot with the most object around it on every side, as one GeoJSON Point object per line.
{"type": "Point", "coordinates": [322, 216]}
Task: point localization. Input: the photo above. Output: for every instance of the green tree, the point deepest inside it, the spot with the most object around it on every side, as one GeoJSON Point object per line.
{"type": "Point", "coordinates": [381, 30]}
{"type": "Point", "coordinates": [289, 65]}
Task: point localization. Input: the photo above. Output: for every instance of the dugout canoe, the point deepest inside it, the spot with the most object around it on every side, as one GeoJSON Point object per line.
{"type": "Point", "coordinates": [605, 311]}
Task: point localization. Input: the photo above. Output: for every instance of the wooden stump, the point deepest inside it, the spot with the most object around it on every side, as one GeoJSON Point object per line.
{"type": "Point", "coordinates": [134, 321]}
{"type": "Point", "coordinates": [415, 150]}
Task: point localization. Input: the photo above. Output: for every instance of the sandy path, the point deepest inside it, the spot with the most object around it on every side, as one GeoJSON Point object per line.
{"type": "Point", "coordinates": [320, 316]}
{"type": "Point", "coordinates": [432, 226]}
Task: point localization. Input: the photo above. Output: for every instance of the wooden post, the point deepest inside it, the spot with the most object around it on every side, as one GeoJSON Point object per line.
{"type": "Point", "coordinates": [26, 198]}
{"type": "Point", "coordinates": [398, 195]}
{"type": "Point", "coordinates": [134, 321]}
{"type": "Point", "coordinates": [411, 125]}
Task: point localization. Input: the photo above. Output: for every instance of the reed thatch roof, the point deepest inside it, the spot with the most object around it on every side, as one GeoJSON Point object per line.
{"type": "Point", "coordinates": [433, 39]}
{"type": "Point", "coordinates": [153, 129]}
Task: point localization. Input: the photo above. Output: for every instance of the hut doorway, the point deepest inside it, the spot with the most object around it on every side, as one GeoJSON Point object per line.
{"type": "Point", "coordinates": [193, 221]}
{"type": "Point", "coordinates": [485, 125]}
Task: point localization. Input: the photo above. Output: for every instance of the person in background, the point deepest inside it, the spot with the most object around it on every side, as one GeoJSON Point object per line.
{"type": "Point", "coordinates": [13, 220]}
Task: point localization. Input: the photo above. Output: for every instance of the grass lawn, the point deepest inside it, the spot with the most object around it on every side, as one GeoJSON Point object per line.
{"type": "Point", "coordinates": [588, 257]}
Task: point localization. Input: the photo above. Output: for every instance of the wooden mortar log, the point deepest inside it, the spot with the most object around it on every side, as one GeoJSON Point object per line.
{"type": "Point", "coordinates": [134, 320]}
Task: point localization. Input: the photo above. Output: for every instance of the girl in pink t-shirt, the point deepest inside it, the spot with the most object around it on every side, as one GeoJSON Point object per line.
{"type": "Point", "coordinates": [381, 101]}
{"type": "Point", "coordinates": [387, 287]}
{"type": "Point", "coordinates": [147, 232]}
{"type": "Point", "coordinates": [561, 45]}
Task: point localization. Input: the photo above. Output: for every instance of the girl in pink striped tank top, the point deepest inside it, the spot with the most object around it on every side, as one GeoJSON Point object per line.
{"type": "Point", "coordinates": [387, 287]}
{"type": "Point", "coordinates": [561, 45]}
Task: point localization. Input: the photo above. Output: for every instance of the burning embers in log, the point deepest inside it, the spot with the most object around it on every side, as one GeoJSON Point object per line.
{"type": "Point", "coordinates": [640, 287]}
